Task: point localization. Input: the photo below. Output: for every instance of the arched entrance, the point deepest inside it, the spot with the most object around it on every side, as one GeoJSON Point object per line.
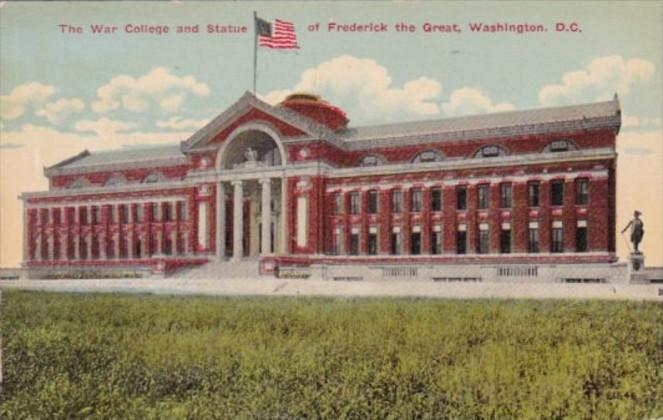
{"type": "Point", "coordinates": [251, 194]}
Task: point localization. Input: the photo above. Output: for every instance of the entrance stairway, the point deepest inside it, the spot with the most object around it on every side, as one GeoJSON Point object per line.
{"type": "Point", "coordinates": [246, 268]}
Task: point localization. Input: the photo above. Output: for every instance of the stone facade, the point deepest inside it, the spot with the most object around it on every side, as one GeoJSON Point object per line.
{"type": "Point", "coordinates": [526, 195]}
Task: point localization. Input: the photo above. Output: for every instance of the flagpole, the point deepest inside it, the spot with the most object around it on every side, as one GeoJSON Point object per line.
{"type": "Point", "coordinates": [255, 48]}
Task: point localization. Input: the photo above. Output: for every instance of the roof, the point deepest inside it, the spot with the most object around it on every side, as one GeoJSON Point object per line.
{"type": "Point", "coordinates": [144, 155]}
{"type": "Point", "coordinates": [490, 122]}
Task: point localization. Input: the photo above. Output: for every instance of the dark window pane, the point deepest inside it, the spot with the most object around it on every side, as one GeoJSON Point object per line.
{"type": "Point", "coordinates": [436, 199]}
{"type": "Point", "coordinates": [557, 193]}
{"type": "Point", "coordinates": [461, 198]}
{"type": "Point", "coordinates": [533, 189]}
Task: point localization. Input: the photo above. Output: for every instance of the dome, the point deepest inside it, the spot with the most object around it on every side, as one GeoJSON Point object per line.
{"type": "Point", "coordinates": [316, 109]}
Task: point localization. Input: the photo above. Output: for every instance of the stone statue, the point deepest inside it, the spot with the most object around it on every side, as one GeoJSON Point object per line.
{"type": "Point", "coordinates": [251, 155]}
{"type": "Point", "coordinates": [637, 230]}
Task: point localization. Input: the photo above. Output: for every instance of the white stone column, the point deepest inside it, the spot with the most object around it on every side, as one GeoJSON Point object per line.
{"type": "Point", "coordinates": [131, 243]}
{"type": "Point", "coordinates": [77, 236]}
{"type": "Point", "coordinates": [266, 216]}
{"type": "Point", "coordinates": [159, 243]}
{"type": "Point", "coordinates": [103, 246]}
{"type": "Point", "coordinates": [38, 247]}
{"type": "Point", "coordinates": [283, 237]}
{"type": "Point", "coordinates": [238, 219]}
{"type": "Point", "coordinates": [173, 242]}
{"type": "Point", "coordinates": [89, 245]}
{"type": "Point", "coordinates": [185, 243]}
{"type": "Point", "coordinates": [116, 243]}
{"type": "Point", "coordinates": [220, 221]}
{"type": "Point", "coordinates": [64, 245]}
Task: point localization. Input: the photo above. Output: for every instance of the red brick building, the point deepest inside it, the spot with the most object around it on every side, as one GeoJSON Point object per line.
{"type": "Point", "coordinates": [525, 195]}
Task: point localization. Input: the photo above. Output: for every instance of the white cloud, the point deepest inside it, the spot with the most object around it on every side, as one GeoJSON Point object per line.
{"type": "Point", "coordinates": [364, 89]}
{"type": "Point", "coordinates": [104, 126]}
{"type": "Point", "coordinates": [468, 100]}
{"type": "Point", "coordinates": [158, 88]}
{"type": "Point", "coordinates": [599, 80]}
{"type": "Point", "coordinates": [58, 111]}
{"type": "Point", "coordinates": [32, 94]}
{"type": "Point", "coordinates": [177, 123]}
{"type": "Point", "coordinates": [632, 121]}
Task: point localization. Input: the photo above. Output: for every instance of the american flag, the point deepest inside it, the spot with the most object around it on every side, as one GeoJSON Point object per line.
{"type": "Point", "coordinates": [282, 38]}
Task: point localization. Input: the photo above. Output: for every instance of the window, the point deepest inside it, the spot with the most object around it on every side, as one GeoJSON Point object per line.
{"type": "Point", "coordinates": [396, 201]}
{"type": "Point", "coordinates": [427, 156]}
{"type": "Point", "coordinates": [153, 177]}
{"type": "Point", "coordinates": [557, 193]}
{"type": "Point", "coordinates": [370, 160]}
{"type": "Point", "coordinates": [83, 215]}
{"type": "Point", "coordinates": [505, 239]}
{"type": "Point", "coordinates": [581, 238]}
{"type": "Point", "coordinates": [557, 244]}
{"type": "Point", "coordinates": [461, 240]}
{"type": "Point", "coordinates": [56, 216]}
{"type": "Point", "coordinates": [154, 212]}
{"type": "Point", "coordinates": [505, 195]}
{"type": "Point", "coordinates": [183, 212]}
{"type": "Point", "coordinates": [396, 242]}
{"type": "Point", "coordinates": [415, 241]}
{"type": "Point", "coordinates": [96, 215]}
{"type": "Point", "coordinates": [533, 193]}
{"type": "Point", "coordinates": [484, 196]}
{"type": "Point", "coordinates": [559, 146]}
{"type": "Point", "coordinates": [416, 200]}
{"type": "Point", "coordinates": [533, 238]}
{"type": "Point", "coordinates": [490, 151]}
{"type": "Point", "coordinates": [436, 240]}
{"type": "Point", "coordinates": [338, 203]}
{"type": "Point", "coordinates": [582, 191]}
{"type": "Point", "coordinates": [167, 212]}
{"type": "Point", "coordinates": [338, 242]}
{"type": "Point", "coordinates": [436, 199]}
{"type": "Point", "coordinates": [372, 241]}
{"type": "Point", "coordinates": [69, 215]}
{"type": "Point", "coordinates": [354, 241]}
{"type": "Point", "coordinates": [461, 197]}
{"type": "Point", "coordinates": [372, 202]}
{"type": "Point", "coordinates": [124, 213]}
{"type": "Point", "coordinates": [140, 213]}
{"type": "Point", "coordinates": [484, 239]}
{"type": "Point", "coordinates": [354, 202]}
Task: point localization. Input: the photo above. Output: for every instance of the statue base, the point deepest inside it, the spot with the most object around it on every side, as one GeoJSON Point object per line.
{"type": "Point", "coordinates": [636, 268]}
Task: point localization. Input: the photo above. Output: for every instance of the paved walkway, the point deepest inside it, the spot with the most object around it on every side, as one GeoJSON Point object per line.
{"type": "Point", "coordinates": [279, 287]}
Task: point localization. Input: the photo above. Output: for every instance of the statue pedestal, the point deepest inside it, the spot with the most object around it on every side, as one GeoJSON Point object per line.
{"type": "Point", "coordinates": [636, 268]}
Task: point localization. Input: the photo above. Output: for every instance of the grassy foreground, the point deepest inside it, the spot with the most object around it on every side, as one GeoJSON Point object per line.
{"type": "Point", "coordinates": [142, 357]}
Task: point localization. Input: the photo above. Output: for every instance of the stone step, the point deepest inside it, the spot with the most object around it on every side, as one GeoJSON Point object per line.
{"type": "Point", "coordinates": [222, 270]}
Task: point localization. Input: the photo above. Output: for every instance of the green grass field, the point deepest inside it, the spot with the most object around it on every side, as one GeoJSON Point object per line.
{"type": "Point", "coordinates": [147, 357]}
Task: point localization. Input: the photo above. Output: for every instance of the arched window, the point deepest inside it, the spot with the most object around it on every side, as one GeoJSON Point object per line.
{"type": "Point", "coordinates": [153, 177]}
{"type": "Point", "coordinates": [561, 145]}
{"type": "Point", "coordinates": [428, 156]}
{"type": "Point", "coordinates": [490, 151]}
{"type": "Point", "coordinates": [80, 182]}
{"type": "Point", "coordinates": [115, 179]}
{"type": "Point", "coordinates": [370, 160]}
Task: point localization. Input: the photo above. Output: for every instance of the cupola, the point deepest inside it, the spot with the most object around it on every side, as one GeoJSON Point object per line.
{"type": "Point", "coordinates": [316, 109]}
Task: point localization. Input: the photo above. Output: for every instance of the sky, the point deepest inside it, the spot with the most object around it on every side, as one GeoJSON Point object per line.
{"type": "Point", "coordinates": [63, 91]}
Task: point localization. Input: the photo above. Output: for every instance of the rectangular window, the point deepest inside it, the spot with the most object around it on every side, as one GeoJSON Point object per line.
{"type": "Point", "coordinates": [415, 243]}
{"type": "Point", "coordinates": [533, 239]}
{"type": "Point", "coordinates": [505, 195]}
{"type": "Point", "coordinates": [396, 243]}
{"type": "Point", "coordinates": [338, 242]}
{"type": "Point", "coordinates": [557, 193]}
{"type": "Point", "coordinates": [461, 197]}
{"type": "Point", "coordinates": [83, 215]}
{"type": "Point", "coordinates": [56, 216]}
{"type": "Point", "coordinates": [140, 213]}
{"type": "Point", "coordinates": [505, 240]}
{"type": "Point", "coordinates": [484, 196]}
{"type": "Point", "coordinates": [372, 202]}
{"type": "Point", "coordinates": [416, 200]}
{"type": "Point", "coordinates": [354, 202]}
{"type": "Point", "coordinates": [372, 241]}
{"type": "Point", "coordinates": [582, 191]}
{"type": "Point", "coordinates": [96, 215]}
{"type": "Point", "coordinates": [183, 211]}
{"type": "Point", "coordinates": [396, 201]}
{"type": "Point", "coordinates": [436, 199]}
{"type": "Point", "coordinates": [167, 213]}
{"type": "Point", "coordinates": [557, 244]}
{"type": "Point", "coordinates": [581, 239]}
{"type": "Point", "coordinates": [533, 193]}
{"type": "Point", "coordinates": [69, 214]}
{"type": "Point", "coordinates": [354, 242]}
{"type": "Point", "coordinates": [436, 240]}
{"type": "Point", "coordinates": [461, 240]}
{"type": "Point", "coordinates": [124, 213]}
{"type": "Point", "coordinates": [484, 239]}
{"type": "Point", "coordinates": [338, 203]}
{"type": "Point", "coordinates": [154, 212]}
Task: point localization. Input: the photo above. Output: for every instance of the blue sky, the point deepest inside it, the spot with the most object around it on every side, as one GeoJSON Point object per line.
{"type": "Point", "coordinates": [62, 93]}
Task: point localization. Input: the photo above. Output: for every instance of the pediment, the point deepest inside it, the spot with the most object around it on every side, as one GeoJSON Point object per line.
{"type": "Point", "coordinates": [251, 109]}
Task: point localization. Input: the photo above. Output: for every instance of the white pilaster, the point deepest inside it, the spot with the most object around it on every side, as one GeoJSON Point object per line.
{"type": "Point", "coordinates": [116, 244]}
{"type": "Point", "coordinates": [38, 247]}
{"type": "Point", "coordinates": [238, 219]}
{"type": "Point", "coordinates": [266, 216]}
{"type": "Point", "coordinates": [220, 221]}
{"type": "Point", "coordinates": [283, 237]}
{"type": "Point", "coordinates": [89, 244]}
{"type": "Point", "coordinates": [103, 246]}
